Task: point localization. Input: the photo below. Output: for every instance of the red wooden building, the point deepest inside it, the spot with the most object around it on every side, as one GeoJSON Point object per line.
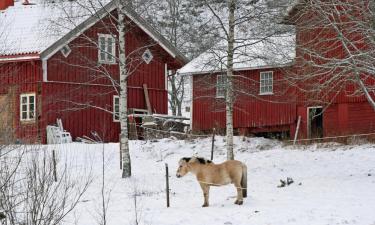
{"type": "Point", "coordinates": [266, 102]}
{"type": "Point", "coordinates": [53, 66]}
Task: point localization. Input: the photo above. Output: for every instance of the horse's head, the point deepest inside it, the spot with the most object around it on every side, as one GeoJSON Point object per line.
{"type": "Point", "coordinates": [183, 167]}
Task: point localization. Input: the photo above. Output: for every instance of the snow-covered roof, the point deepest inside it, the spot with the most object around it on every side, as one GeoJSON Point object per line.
{"type": "Point", "coordinates": [36, 28]}
{"type": "Point", "coordinates": [274, 51]}
{"type": "Point", "coordinates": [27, 29]}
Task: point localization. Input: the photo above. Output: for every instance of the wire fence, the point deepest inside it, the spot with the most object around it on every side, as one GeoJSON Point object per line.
{"type": "Point", "coordinates": [189, 135]}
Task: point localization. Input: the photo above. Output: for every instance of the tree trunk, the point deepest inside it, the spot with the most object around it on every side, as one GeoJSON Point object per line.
{"type": "Point", "coordinates": [124, 135]}
{"type": "Point", "coordinates": [173, 94]}
{"type": "Point", "coordinates": [229, 93]}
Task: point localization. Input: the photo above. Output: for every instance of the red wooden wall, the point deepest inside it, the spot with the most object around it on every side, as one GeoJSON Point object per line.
{"type": "Point", "coordinates": [258, 113]}
{"type": "Point", "coordinates": [76, 88]}
{"type": "Point", "coordinates": [18, 78]}
{"type": "Point", "coordinates": [79, 80]}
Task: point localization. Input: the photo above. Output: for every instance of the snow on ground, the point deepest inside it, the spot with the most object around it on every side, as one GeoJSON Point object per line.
{"type": "Point", "coordinates": [334, 184]}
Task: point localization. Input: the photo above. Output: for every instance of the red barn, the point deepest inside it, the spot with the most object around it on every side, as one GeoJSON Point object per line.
{"type": "Point", "coordinates": [265, 100]}
{"type": "Point", "coordinates": [60, 61]}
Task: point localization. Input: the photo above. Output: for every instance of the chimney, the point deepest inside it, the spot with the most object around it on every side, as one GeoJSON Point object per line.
{"type": "Point", "coordinates": [4, 4]}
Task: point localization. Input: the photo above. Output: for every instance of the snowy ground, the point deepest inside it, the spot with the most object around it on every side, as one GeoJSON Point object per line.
{"type": "Point", "coordinates": [334, 184]}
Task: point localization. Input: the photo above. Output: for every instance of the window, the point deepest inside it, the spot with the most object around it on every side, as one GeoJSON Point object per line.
{"type": "Point", "coordinates": [27, 107]}
{"type": "Point", "coordinates": [107, 49]}
{"type": "Point", "coordinates": [220, 86]}
{"type": "Point", "coordinates": [66, 51]}
{"type": "Point", "coordinates": [147, 56]}
{"type": "Point", "coordinates": [266, 83]}
{"type": "Point", "coordinates": [116, 108]}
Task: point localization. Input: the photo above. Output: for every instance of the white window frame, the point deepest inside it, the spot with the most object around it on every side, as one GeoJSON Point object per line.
{"type": "Point", "coordinates": [65, 51]}
{"type": "Point", "coordinates": [114, 108]}
{"type": "Point", "coordinates": [107, 54]}
{"type": "Point", "coordinates": [220, 86]}
{"type": "Point", "coordinates": [266, 83]}
{"type": "Point", "coordinates": [28, 110]}
{"type": "Point", "coordinates": [150, 57]}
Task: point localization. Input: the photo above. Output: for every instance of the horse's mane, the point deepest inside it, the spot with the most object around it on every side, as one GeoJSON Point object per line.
{"type": "Point", "coordinates": [200, 160]}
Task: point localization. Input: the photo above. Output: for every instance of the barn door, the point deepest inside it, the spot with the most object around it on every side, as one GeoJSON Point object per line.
{"type": "Point", "coordinates": [315, 122]}
{"type": "Point", "coordinates": [5, 119]}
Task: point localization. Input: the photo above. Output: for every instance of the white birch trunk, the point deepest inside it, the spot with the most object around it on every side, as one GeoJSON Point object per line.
{"type": "Point", "coordinates": [124, 134]}
{"type": "Point", "coordinates": [229, 93]}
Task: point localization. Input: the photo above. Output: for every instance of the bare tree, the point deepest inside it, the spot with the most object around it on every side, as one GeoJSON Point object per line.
{"type": "Point", "coordinates": [29, 190]}
{"type": "Point", "coordinates": [177, 20]}
{"type": "Point", "coordinates": [335, 55]}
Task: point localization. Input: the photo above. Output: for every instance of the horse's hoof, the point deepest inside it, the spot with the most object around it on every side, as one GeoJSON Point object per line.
{"type": "Point", "coordinates": [205, 205]}
{"type": "Point", "coordinates": [238, 202]}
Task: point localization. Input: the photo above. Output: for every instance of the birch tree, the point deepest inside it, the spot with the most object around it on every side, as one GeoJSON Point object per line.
{"type": "Point", "coordinates": [241, 24]}
{"type": "Point", "coordinates": [116, 24]}
{"type": "Point", "coordinates": [124, 135]}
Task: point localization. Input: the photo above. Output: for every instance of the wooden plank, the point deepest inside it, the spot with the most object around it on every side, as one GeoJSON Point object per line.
{"type": "Point", "coordinates": [145, 90]}
{"type": "Point", "coordinates": [297, 129]}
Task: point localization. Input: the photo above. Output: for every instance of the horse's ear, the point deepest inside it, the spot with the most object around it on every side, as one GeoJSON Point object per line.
{"type": "Point", "coordinates": [186, 159]}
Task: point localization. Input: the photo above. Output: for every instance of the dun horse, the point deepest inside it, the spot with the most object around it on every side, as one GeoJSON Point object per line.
{"type": "Point", "coordinates": [210, 174]}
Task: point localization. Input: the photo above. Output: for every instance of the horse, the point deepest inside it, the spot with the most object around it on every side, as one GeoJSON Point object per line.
{"type": "Point", "coordinates": [211, 174]}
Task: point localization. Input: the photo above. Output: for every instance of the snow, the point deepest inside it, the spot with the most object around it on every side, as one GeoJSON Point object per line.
{"type": "Point", "coordinates": [335, 184]}
{"type": "Point", "coordinates": [254, 53]}
{"type": "Point", "coordinates": [32, 28]}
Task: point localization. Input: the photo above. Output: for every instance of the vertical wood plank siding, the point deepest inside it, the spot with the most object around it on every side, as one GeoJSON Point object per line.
{"type": "Point", "coordinates": [251, 110]}
{"type": "Point", "coordinates": [70, 84]}
{"type": "Point", "coordinates": [17, 78]}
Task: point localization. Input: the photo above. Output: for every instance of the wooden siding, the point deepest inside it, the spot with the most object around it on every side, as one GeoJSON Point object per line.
{"type": "Point", "coordinates": [17, 78]}
{"type": "Point", "coordinates": [78, 80]}
{"type": "Point", "coordinates": [251, 110]}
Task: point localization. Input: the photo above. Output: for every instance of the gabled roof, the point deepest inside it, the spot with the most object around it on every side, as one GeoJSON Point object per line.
{"type": "Point", "coordinates": [44, 28]}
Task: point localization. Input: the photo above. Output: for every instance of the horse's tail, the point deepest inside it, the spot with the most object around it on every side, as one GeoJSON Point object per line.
{"type": "Point", "coordinates": [244, 180]}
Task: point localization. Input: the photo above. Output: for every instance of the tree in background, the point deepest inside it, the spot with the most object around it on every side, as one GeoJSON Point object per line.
{"type": "Point", "coordinates": [183, 25]}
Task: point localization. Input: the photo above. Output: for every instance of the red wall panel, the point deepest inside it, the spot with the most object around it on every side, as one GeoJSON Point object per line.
{"type": "Point", "coordinates": [251, 110]}
{"type": "Point", "coordinates": [17, 78]}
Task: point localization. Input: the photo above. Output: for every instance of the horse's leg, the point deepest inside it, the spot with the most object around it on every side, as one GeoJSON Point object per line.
{"type": "Point", "coordinates": [239, 200]}
{"type": "Point", "coordinates": [206, 192]}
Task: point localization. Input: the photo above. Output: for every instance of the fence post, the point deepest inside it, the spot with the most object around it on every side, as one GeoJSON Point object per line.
{"type": "Point", "coordinates": [54, 165]}
{"type": "Point", "coordinates": [297, 129]}
{"type": "Point", "coordinates": [213, 144]}
{"type": "Point", "coordinates": [167, 183]}
{"type": "Point", "coordinates": [120, 155]}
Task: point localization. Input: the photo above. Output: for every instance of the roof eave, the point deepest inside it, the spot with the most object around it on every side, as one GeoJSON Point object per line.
{"type": "Point", "coordinates": [19, 58]}
{"type": "Point", "coordinates": [238, 69]}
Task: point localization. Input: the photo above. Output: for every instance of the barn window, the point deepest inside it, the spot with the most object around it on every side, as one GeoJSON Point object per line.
{"type": "Point", "coordinates": [147, 56]}
{"type": "Point", "coordinates": [27, 107]}
{"type": "Point", "coordinates": [116, 108]}
{"type": "Point", "coordinates": [66, 51]}
{"type": "Point", "coordinates": [266, 83]}
{"type": "Point", "coordinates": [107, 49]}
{"type": "Point", "coordinates": [220, 86]}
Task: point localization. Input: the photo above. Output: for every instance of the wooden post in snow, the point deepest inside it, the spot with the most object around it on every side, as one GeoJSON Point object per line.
{"type": "Point", "coordinates": [120, 159]}
{"type": "Point", "coordinates": [167, 183]}
{"type": "Point", "coordinates": [297, 129]}
{"type": "Point", "coordinates": [147, 99]}
{"type": "Point", "coordinates": [213, 144]}
{"type": "Point", "coordinates": [54, 165]}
